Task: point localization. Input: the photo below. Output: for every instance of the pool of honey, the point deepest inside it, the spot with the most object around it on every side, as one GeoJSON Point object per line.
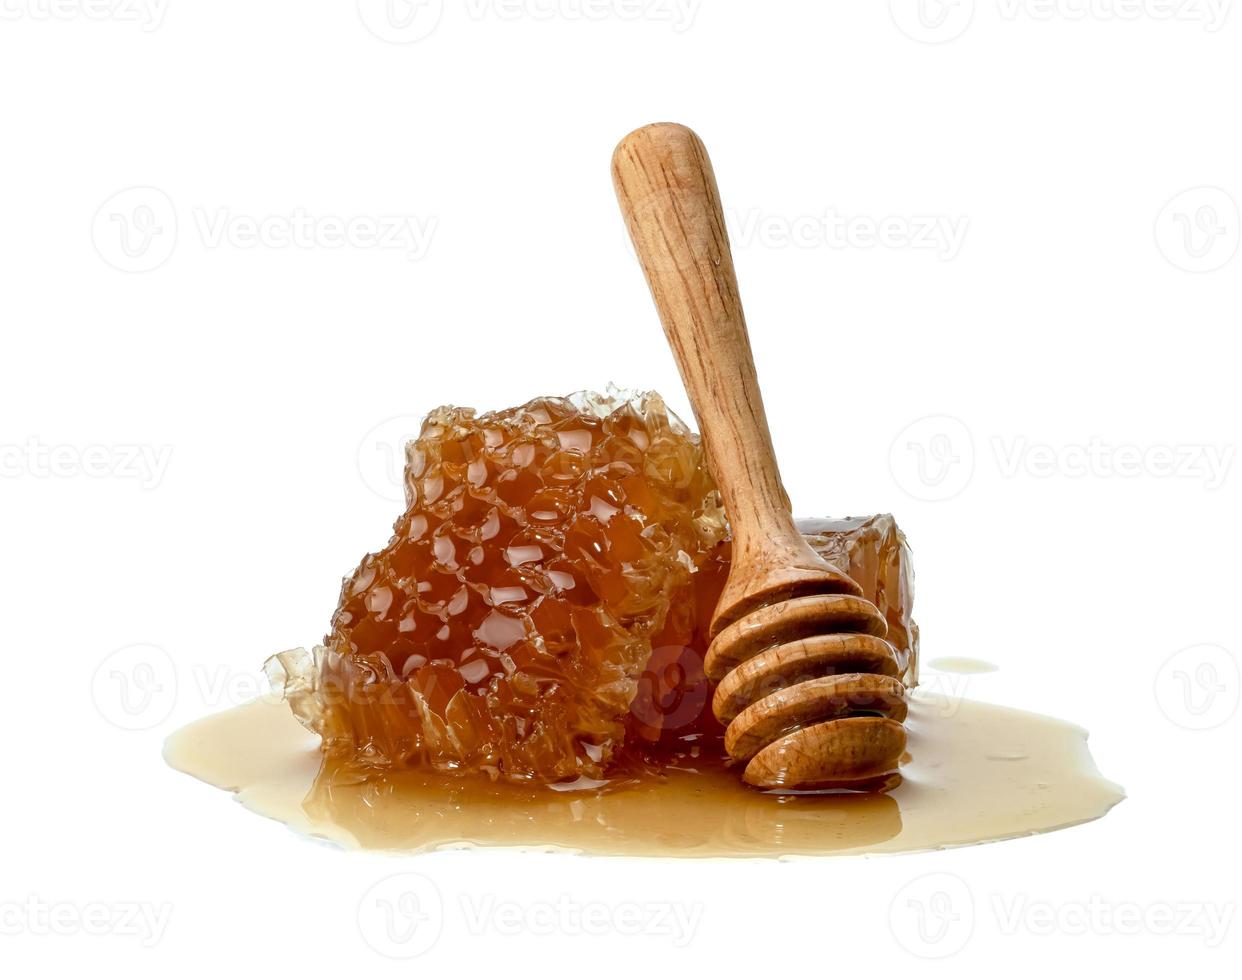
{"type": "Point", "coordinates": [976, 772]}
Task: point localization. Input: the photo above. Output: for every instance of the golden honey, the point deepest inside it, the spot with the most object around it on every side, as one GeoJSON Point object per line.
{"type": "Point", "coordinates": [522, 665]}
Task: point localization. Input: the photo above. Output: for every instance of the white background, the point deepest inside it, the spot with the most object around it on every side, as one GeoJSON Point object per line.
{"type": "Point", "coordinates": [1075, 515]}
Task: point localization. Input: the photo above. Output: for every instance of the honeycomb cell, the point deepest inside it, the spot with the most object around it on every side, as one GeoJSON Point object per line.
{"type": "Point", "coordinates": [671, 721]}
{"type": "Point", "coordinates": [541, 611]}
{"type": "Point", "coordinates": [505, 626]}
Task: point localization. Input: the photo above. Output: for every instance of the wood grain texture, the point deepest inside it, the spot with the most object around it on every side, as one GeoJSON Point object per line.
{"type": "Point", "coordinates": [808, 683]}
{"type": "Point", "coordinates": [820, 699]}
{"type": "Point", "coordinates": [668, 194]}
{"type": "Point", "coordinates": [859, 754]}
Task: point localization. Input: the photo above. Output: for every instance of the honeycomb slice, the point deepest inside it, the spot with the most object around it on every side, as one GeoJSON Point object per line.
{"type": "Point", "coordinates": [504, 627]}
{"type": "Point", "coordinates": [671, 721]}
{"type": "Point", "coordinates": [874, 552]}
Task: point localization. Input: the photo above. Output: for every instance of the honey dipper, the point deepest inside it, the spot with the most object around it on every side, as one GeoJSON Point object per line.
{"type": "Point", "coordinates": [806, 682]}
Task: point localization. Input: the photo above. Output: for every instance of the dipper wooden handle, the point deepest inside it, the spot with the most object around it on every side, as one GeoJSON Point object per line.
{"type": "Point", "coordinates": [668, 195]}
{"type": "Point", "coordinates": [807, 684]}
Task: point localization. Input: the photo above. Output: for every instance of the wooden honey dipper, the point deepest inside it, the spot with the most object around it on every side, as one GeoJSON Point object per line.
{"type": "Point", "coordinates": [807, 684]}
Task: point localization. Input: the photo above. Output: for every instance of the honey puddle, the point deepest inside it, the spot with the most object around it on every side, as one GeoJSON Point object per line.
{"type": "Point", "coordinates": [962, 665]}
{"type": "Point", "coordinates": [976, 772]}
